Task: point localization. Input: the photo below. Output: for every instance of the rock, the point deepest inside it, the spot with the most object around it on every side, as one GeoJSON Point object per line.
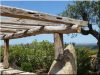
{"type": "Point", "coordinates": [67, 65]}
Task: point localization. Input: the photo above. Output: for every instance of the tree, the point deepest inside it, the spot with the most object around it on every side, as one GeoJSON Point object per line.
{"type": "Point", "coordinates": [87, 11]}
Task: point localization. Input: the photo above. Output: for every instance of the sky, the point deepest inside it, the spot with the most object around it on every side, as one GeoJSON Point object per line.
{"type": "Point", "coordinates": [51, 7]}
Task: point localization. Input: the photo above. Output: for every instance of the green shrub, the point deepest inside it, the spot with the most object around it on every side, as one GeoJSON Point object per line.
{"type": "Point", "coordinates": [1, 53]}
{"type": "Point", "coordinates": [40, 55]}
{"type": "Point", "coordinates": [84, 60]}
{"type": "Point", "coordinates": [37, 55]}
{"type": "Point", "coordinates": [26, 66]}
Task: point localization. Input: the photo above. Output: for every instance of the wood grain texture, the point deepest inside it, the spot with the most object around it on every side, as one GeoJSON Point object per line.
{"type": "Point", "coordinates": [58, 44]}
{"type": "Point", "coordinates": [39, 30]}
{"type": "Point", "coordinates": [6, 54]}
{"type": "Point", "coordinates": [26, 14]}
{"type": "Point", "coordinates": [23, 23]}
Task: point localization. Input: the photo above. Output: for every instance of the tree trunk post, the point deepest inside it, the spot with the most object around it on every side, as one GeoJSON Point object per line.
{"type": "Point", "coordinates": [6, 54]}
{"type": "Point", "coordinates": [58, 43]}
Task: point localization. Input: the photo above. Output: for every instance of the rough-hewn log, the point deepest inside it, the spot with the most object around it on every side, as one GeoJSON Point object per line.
{"type": "Point", "coordinates": [8, 30]}
{"type": "Point", "coordinates": [26, 14]}
{"type": "Point", "coordinates": [26, 22]}
{"type": "Point", "coordinates": [16, 27]}
{"type": "Point", "coordinates": [23, 26]}
{"type": "Point", "coordinates": [58, 43]}
{"type": "Point", "coordinates": [6, 54]}
{"type": "Point", "coordinates": [68, 64]}
{"type": "Point", "coordinates": [42, 29]}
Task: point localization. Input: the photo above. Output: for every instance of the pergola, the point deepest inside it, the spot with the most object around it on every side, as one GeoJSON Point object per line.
{"type": "Point", "coordinates": [19, 23]}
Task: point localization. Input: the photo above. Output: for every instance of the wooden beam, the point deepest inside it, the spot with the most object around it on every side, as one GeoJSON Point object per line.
{"type": "Point", "coordinates": [26, 14]}
{"type": "Point", "coordinates": [26, 22]}
{"type": "Point", "coordinates": [58, 43]}
{"type": "Point", "coordinates": [6, 54]}
{"type": "Point", "coordinates": [16, 27]}
{"type": "Point", "coordinates": [42, 30]}
{"type": "Point", "coordinates": [8, 30]}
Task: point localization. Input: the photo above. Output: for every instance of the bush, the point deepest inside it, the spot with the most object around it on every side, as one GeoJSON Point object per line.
{"type": "Point", "coordinates": [34, 56]}
{"type": "Point", "coordinates": [1, 54]}
{"type": "Point", "coordinates": [26, 66]}
{"type": "Point", "coordinates": [40, 55]}
{"type": "Point", "coordinates": [84, 60]}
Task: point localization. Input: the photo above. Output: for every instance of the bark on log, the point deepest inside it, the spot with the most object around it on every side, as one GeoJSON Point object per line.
{"type": "Point", "coordinates": [41, 30]}
{"type": "Point", "coordinates": [68, 65]}
{"type": "Point", "coordinates": [26, 22]}
{"type": "Point", "coordinates": [6, 54]}
{"type": "Point", "coordinates": [58, 43]}
{"type": "Point", "coordinates": [9, 30]}
{"type": "Point", "coordinates": [26, 14]}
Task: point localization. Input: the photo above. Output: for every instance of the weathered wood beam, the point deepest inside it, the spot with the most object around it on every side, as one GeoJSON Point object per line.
{"type": "Point", "coordinates": [42, 30]}
{"type": "Point", "coordinates": [22, 33]}
{"type": "Point", "coordinates": [58, 43]}
{"type": "Point", "coordinates": [16, 27]}
{"type": "Point", "coordinates": [26, 14]}
{"type": "Point", "coordinates": [6, 54]}
{"type": "Point", "coordinates": [8, 30]}
{"type": "Point", "coordinates": [24, 22]}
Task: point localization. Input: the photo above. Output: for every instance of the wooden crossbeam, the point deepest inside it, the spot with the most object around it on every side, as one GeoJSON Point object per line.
{"type": "Point", "coordinates": [16, 27]}
{"type": "Point", "coordinates": [26, 14]}
{"type": "Point", "coordinates": [8, 30]}
{"type": "Point", "coordinates": [42, 30]}
{"type": "Point", "coordinates": [25, 22]}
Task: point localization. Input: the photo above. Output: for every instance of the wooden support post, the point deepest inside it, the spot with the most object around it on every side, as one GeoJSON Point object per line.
{"type": "Point", "coordinates": [58, 43]}
{"type": "Point", "coordinates": [6, 54]}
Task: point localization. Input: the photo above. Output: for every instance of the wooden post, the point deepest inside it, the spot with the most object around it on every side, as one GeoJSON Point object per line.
{"type": "Point", "coordinates": [58, 43]}
{"type": "Point", "coordinates": [6, 54]}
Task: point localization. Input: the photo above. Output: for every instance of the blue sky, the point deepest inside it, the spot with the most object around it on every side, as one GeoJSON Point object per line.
{"type": "Point", "coordinates": [52, 7]}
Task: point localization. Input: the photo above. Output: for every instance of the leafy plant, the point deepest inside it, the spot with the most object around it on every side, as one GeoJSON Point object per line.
{"type": "Point", "coordinates": [40, 55]}
{"type": "Point", "coordinates": [84, 60]}
{"type": "Point", "coordinates": [37, 55]}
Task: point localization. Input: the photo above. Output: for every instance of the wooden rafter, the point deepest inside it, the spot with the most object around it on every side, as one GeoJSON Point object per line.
{"type": "Point", "coordinates": [23, 28]}
{"type": "Point", "coordinates": [40, 30]}
{"type": "Point", "coordinates": [26, 14]}
{"type": "Point", "coordinates": [24, 23]}
{"type": "Point", "coordinates": [8, 30]}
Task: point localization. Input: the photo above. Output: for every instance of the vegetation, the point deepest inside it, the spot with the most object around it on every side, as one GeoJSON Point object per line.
{"type": "Point", "coordinates": [84, 60]}
{"type": "Point", "coordinates": [31, 57]}
{"type": "Point", "coordinates": [40, 55]}
{"type": "Point", "coordinates": [87, 11]}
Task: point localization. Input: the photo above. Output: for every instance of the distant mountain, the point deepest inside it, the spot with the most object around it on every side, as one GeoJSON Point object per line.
{"type": "Point", "coordinates": [87, 44]}
{"type": "Point", "coordinates": [90, 45]}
